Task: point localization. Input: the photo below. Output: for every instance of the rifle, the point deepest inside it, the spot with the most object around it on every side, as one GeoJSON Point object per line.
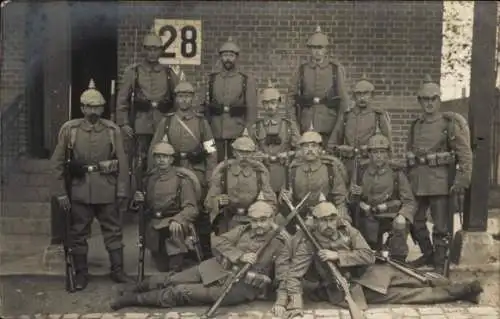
{"type": "Point", "coordinates": [112, 102]}
{"type": "Point", "coordinates": [68, 250]}
{"type": "Point", "coordinates": [195, 242]}
{"type": "Point", "coordinates": [354, 181]}
{"type": "Point", "coordinates": [131, 119]}
{"type": "Point", "coordinates": [142, 222]}
{"type": "Point", "coordinates": [450, 220]}
{"type": "Point", "coordinates": [238, 275]}
{"type": "Point", "coordinates": [342, 283]}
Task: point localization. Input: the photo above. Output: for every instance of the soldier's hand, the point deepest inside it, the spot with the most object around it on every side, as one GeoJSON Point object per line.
{"type": "Point", "coordinates": [364, 206]}
{"type": "Point", "coordinates": [356, 190]}
{"type": "Point", "coordinates": [64, 202]}
{"type": "Point", "coordinates": [399, 222]}
{"type": "Point", "coordinates": [223, 200]}
{"type": "Point", "coordinates": [175, 229]}
{"type": "Point", "coordinates": [382, 207]}
{"type": "Point", "coordinates": [287, 192]}
{"type": "Point", "coordinates": [283, 155]}
{"type": "Point", "coordinates": [139, 196]}
{"type": "Point", "coordinates": [127, 130]}
{"type": "Point", "coordinates": [250, 258]}
{"type": "Point", "coordinates": [278, 310]}
{"type": "Point", "coordinates": [326, 254]}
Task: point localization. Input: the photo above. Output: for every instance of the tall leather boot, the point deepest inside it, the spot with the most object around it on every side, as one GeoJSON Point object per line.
{"type": "Point", "coordinates": [427, 258]}
{"type": "Point", "coordinates": [439, 258]}
{"type": "Point", "coordinates": [81, 271]}
{"type": "Point", "coordinates": [153, 298]}
{"type": "Point", "coordinates": [148, 284]}
{"type": "Point", "coordinates": [117, 273]}
{"type": "Point", "coordinates": [466, 291]}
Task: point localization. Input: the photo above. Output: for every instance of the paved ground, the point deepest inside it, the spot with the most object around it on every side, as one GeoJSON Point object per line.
{"type": "Point", "coordinates": [26, 287]}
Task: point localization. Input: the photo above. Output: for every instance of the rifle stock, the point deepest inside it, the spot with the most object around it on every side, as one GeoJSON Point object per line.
{"type": "Point", "coordinates": [243, 270]}
{"type": "Point", "coordinates": [342, 283]}
{"type": "Point", "coordinates": [142, 223]}
{"type": "Point", "coordinates": [68, 251]}
{"type": "Point", "coordinates": [354, 181]}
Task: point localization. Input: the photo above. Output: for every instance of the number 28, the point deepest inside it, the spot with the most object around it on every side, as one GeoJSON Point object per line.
{"type": "Point", "coordinates": [188, 40]}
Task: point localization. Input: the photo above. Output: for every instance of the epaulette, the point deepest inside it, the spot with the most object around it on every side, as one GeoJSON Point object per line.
{"type": "Point", "coordinates": [110, 124]}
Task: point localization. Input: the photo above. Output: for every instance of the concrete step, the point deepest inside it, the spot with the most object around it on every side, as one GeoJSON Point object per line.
{"type": "Point", "coordinates": [19, 180]}
{"type": "Point", "coordinates": [16, 246]}
{"type": "Point", "coordinates": [26, 194]}
{"type": "Point", "coordinates": [34, 166]}
{"type": "Point", "coordinates": [25, 209]}
{"type": "Point", "coordinates": [27, 226]}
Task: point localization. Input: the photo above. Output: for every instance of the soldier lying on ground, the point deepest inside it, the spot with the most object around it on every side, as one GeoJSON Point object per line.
{"type": "Point", "coordinates": [236, 183]}
{"type": "Point", "coordinates": [204, 283]}
{"type": "Point", "coordinates": [172, 195]}
{"type": "Point", "coordinates": [372, 283]}
{"type": "Point", "coordinates": [387, 203]}
{"type": "Point", "coordinates": [276, 136]}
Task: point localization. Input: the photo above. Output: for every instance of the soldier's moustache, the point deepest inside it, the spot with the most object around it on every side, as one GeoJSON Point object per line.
{"type": "Point", "coordinates": [228, 65]}
{"type": "Point", "coordinates": [93, 118]}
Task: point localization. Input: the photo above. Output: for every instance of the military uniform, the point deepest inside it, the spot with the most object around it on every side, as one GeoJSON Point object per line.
{"type": "Point", "coordinates": [99, 174]}
{"type": "Point", "coordinates": [243, 181]}
{"type": "Point", "coordinates": [436, 144]}
{"type": "Point", "coordinates": [170, 196]}
{"type": "Point", "coordinates": [231, 104]}
{"type": "Point", "coordinates": [318, 92]}
{"type": "Point", "coordinates": [275, 136]}
{"type": "Point", "coordinates": [150, 87]}
{"type": "Point", "coordinates": [358, 125]}
{"type": "Point", "coordinates": [379, 283]}
{"type": "Point", "coordinates": [203, 284]}
{"type": "Point", "coordinates": [191, 136]}
{"type": "Point", "coordinates": [386, 193]}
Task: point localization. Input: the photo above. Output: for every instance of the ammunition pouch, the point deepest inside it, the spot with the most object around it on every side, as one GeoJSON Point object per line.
{"type": "Point", "coordinates": [195, 157]}
{"type": "Point", "coordinates": [216, 109]}
{"type": "Point", "coordinates": [256, 279]}
{"type": "Point", "coordinates": [165, 213]}
{"type": "Point", "coordinates": [392, 207]}
{"type": "Point", "coordinates": [164, 106]}
{"type": "Point", "coordinates": [307, 101]}
{"type": "Point", "coordinates": [77, 169]}
{"type": "Point", "coordinates": [273, 139]}
{"type": "Point", "coordinates": [348, 152]}
{"type": "Point", "coordinates": [108, 167]}
{"type": "Point", "coordinates": [430, 159]}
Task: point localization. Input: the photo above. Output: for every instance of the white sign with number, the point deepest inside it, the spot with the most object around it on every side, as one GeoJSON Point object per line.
{"type": "Point", "coordinates": [181, 41]}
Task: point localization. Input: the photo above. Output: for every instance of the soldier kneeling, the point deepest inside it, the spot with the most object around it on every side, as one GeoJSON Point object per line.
{"type": "Point", "coordinates": [203, 284]}
{"type": "Point", "coordinates": [172, 194]}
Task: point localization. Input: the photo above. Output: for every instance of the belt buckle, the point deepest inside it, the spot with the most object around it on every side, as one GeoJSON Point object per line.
{"type": "Point", "coordinates": [421, 160]}
{"type": "Point", "coordinates": [158, 215]}
{"type": "Point", "coordinates": [273, 158]}
{"type": "Point", "coordinates": [240, 211]}
{"type": "Point", "coordinates": [183, 155]}
{"type": "Point", "coordinates": [226, 108]}
{"type": "Point", "coordinates": [91, 168]}
{"type": "Point", "coordinates": [316, 100]}
{"type": "Point", "coordinates": [154, 104]}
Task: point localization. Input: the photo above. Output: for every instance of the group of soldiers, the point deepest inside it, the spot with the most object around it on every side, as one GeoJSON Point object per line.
{"type": "Point", "coordinates": [230, 178]}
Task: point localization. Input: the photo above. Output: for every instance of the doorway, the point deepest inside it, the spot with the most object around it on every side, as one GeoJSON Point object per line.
{"type": "Point", "coordinates": [94, 36]}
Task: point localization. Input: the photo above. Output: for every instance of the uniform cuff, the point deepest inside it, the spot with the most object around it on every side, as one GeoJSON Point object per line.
{"type": "Point", "coordinates": [281, 298]}
{"type": "Point", "coordinates": [296, 302]}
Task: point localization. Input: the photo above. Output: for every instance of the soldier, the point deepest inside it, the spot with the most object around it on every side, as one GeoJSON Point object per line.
{"type": "Point", "coordinates": [146, 94]}
{"type": "Point", "coordinates": [172, 195]}
{"type": "Point", "coordinates": [203, 284]}
{"type": "Point", "coordinates": [380, 283]}
{"type": "Point", "coordinates": [276, 136]}
{"type": "Point", "coordinates": [236, 184]}
{"type": "Point", "coordinates": [387, 201]}
{"type": "Point", "coordinates": [231, 100]}
{"type": "Point", "coordinates": [318, 90]}
{"type": "Point", "coordinates": [358, 125]}
{"type": "Point", "coordinates": [190, 135]}
{"type": "Point", "coordinates": [437, 143]}
{"type": "Point", "coordinates": [319, 174]}
{"type": "Point", "coordinates": [97, 174]}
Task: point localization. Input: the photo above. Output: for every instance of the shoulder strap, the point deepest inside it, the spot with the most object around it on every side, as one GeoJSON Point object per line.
{"type": "Point", "coordinates": [334, 76]}
{"type": "Point", "coordinates": [411, 136]}
{"type": "Point", "coordinates": [329, 167]}
{"type": "Point", "coordinates": [168, 120]}
{"type": "Point", "coordinates": [211, 80]}
{"type": "Point", "coordinates": [72, 137]}
{"type": "Point", "coordinates": [395, 185]}
{"type": "Point", "coordinates": [111, 134]}
{"type": "Point", "coordinates": [170, 83]}
{"type": "Point", "coordinates": [259, 180]}
{"type": "Point", "coordinates": [223, 180]}
{"type": "Point", "coordinates": [244, 86]}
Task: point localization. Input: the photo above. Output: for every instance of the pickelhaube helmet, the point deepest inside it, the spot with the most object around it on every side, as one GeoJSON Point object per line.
{"type": "Point", "coordinates": [184, 87]}
{"type": "Point", "coordinates": [229, 46]}
{"type": "Point", "coordinates": [270, 93]}
{"type": "Point", "coordinates": [318, 38]}
{"type": "Point", "coordinates": [260, 207]}
{"type": "Point", "coordinates": [379, 141]}
{"type": "Point", "coordinates": [163, 148]}
{"type": "Point", "coordinates": [364, 85]}
{"type": "Point", "coordinates": [244, 143]}
{"type": "Point", "coordinates": [324, 209]}
{"type": "Point", "coordinates": [91, 96]}
{"type": "Point", "coordinates": [429, 88]}
{"type": "Point", "coordinates": [310, 137]}
{"type": "Point", "coordinates": [152, 40]}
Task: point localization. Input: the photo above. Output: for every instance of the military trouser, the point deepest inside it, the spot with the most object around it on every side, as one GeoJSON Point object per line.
{"type": "Point", "coordinates": [373, 228]}
{"type": "Point", "coordinates": [82, 217]}
{"type": "Point", "coordinates": [220, 144]}
{"type": "Point", "coordinates": [440, 231]}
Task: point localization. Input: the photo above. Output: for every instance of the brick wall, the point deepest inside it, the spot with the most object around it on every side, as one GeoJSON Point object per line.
{"type": "Point", "coordinates": [394, 43]}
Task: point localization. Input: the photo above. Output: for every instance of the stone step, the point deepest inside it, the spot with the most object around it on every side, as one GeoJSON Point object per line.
{"type": "Point", "coordinates": [34, 166]}
{"type": "Point", "coordinates": [25, 209]}
{"type": "Point", "coordinates": [14, 245]}
{"type": "Point", "coordinates": [26, 194]}
{"type": "Point", "coordinates": [20, 179]}
{"type": "Point", "coordinates": [25, 226]}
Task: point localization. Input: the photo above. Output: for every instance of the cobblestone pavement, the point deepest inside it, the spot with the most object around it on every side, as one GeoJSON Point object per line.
{"type": "Point", "coordinates": [402, 312]}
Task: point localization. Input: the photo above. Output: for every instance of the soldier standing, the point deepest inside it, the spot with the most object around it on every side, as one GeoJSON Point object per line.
{"type": "Point", "coordinates": [318, 174]}
{"type": "Point", "coordinates": [190, 135]}
{"type": "Point", "coordinates": [98, 173]}
{"type": "Point", "coordinates": [276, 136]}
{"type": "Point", "coordinates": [387, 201]}
{"type": "Point", "coordinates": [231, 100]}
{"type": "Point", "coordinates": [172, 195]}
{"type": "Point", "coordinates": [318, 90]}
{"type": "Point", "coordinates": [146, 94]}
{"type": "Point", "coordinates": [203, 284]}
{"type": "Point", "coordinates": [379, 283]}
{"type": "Point", "coordinates": [357, 126]}
{"type": "Point", "coordinates": [438, 143]}
{"type": "Point", "coordinates": [236, 184]}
